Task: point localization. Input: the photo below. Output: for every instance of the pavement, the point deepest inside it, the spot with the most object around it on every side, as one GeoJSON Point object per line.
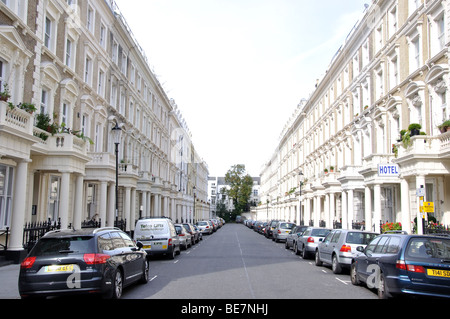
{"type": "Point", "coordinates": [9, 276]}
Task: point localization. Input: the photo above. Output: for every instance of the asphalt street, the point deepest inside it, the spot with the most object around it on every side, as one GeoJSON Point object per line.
{"type": "Point", "coordinates": [237, 263]}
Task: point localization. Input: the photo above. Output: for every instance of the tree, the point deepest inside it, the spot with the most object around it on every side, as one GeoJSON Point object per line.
{"type": "Point", "coordinates": [240, 187]}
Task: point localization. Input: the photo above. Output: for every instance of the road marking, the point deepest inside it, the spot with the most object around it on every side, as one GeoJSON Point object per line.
{"type": "Point", "coordinates": [324, 271]}
{"type": "Point", "coordinates": [344, 282]}
{"type": "Point", "coordinates": [176, 261]}
{"type": "Point", "coordinates": [153, 278]}
{"type": "Point", "coordinates": [245, 267]}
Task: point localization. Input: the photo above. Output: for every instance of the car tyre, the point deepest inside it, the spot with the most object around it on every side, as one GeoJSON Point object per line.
{"type": "Point", "coordinates": [382, 289]}
{"type": "Point", "coordinates": [304, 253]}
{"type": "Point", "coordinates": [297, 252]}
{"type": "Point", "coordinates": [335, 266]}
{"type": "Point", "coordinates": [145, 278]}
{"type": "Point", "coordinates": [117, 287]}
{"type": "Point", "coordinates": [317, 259]}
{"type": "Point", "coordinates": [354, 275]}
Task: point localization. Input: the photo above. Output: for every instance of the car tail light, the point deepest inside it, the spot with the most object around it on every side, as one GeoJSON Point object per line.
{"type": "Point", "coordinates": [27, 262]}
{"type": "Point", "coordinates": [207, 227]}
{"type": "Point", "coordinates": [181, 235]}
{"type": "Point", "coordinates": [170, 242]}
{"type": "Point", "coordinates": [310, 239]}
{"type": "Point", "coordinates": [346, 249]}
{"type": "Point", "coordinates": [279, 231]}
{"type": "Point", "coordinates": [400, 264]}
{"type": "Point", "coordinates": [95, 259]}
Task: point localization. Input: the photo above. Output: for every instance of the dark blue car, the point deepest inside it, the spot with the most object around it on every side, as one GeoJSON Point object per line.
{"type": "Point", "coordinates": [404, 264]}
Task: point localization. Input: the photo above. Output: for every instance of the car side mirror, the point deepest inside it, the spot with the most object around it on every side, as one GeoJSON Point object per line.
{"type": "Point", "coordinates": [139, 245]}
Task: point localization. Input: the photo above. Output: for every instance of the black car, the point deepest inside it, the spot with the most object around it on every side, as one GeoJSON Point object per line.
{"type": "Point", "coordinates": [101, 260]}
{"type": "Point", "coordinates": [397, 264]}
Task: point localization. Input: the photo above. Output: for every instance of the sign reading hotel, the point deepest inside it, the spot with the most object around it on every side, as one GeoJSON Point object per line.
{"type": "Point", "coordinates": [388, 170]}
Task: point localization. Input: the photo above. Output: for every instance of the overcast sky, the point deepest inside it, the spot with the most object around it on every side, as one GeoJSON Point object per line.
{"type": "Point", "coordinates": [237, 69]}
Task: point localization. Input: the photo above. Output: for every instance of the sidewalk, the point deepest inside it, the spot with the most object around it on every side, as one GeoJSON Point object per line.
{"type": "Point", "coordinates": [9, 276]}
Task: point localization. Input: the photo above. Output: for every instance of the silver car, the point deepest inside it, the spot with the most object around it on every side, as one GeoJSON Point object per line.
{"type": "Point", "coordinates": [339, 247]}
{"type": "Point", "coordinates": [282, 231]}
{"type": "Point", "coordinates": [185, 237]}
{"type": "Point", "coordinates": [205, 227]}
{"type": "Point", "coordinates": [307, 243]}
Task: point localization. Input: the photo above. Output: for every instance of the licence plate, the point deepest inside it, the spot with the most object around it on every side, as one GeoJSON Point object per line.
{"type": "Point", "coordinates": [59, 268]}
{"type": "Point", "coordinates": [438, 273]}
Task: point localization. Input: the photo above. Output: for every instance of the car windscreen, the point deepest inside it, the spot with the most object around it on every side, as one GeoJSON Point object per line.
{"type": "Point", "coordinates": [64, 245]}
{"type": "Point", "coordinates": [287, 225]}
{"type": "Point", "coordinates": [428, 248]}
{"type": "Point", "coordinates": [359, 238]}
{"type": "Point", "coordinates": [202, 224]}
{"type": "Point", "coordinates": [319, 232]}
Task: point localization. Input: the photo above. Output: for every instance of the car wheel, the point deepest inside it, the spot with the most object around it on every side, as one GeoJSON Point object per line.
{"type": "Point", "coordinates": [144, 278]}
{"type": "Point", "coordinates": [354, 275]}
{"type": "Point", "coordinates": [172, 253]}
{"type": "Point", "coordinates": [286, 245]}
{"type": "Point", "coordinates": [297, 252]}
{"type": "Point", "coordinates": [117, 285]}
{"type": "Point", "coordinates": [179, 250]}
{"type": "Point", "coordinates": [337, 269]}
{"type": "Point", "coordinates": [304, 253]}
{"type": "Point", "coordinates": [382, 289]}
{"type": "Point", "coordinates": [317, 259]}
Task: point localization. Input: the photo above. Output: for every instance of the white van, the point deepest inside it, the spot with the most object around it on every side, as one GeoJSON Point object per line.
{"type": "Point", "coordinates": [158, 235]}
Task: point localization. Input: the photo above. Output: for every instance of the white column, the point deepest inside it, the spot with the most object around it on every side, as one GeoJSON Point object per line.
{"type": "Point", "coordinates": [78, 202]}
{"type": "Point", "coordinates": [307, 211]}
{"type": "Point", "coordinates": [406, 216]}
{"type": "Point", "coordinates": [350, 208]}
{"type": "Point", "coordinates": [18, 211]}
{"type": "Point", "coordinates": [103, 202]}
{"type": "Point", "coordinates": [368, 208]}
{"type": "Point", "coordinates": [420, 183]}
{"type": "Point", "coordinates": [144, 204]}
{"type": "Point", "coordinates": [132, 210]}
{"type": "Point", "coordinates": [109, 221]}
{"type": "Point", "coordinates": [332, 208]}
{"type": "Point", "coordinates": [377, 207]}
{"type": "Point", "coordinates": [326, 209]}
{"type": "Point", "coordinates": [64, 200]}
{"type": "Point", "coordinates": [126, 207]}
{"type": "Point", "coordinates": [344, 203]}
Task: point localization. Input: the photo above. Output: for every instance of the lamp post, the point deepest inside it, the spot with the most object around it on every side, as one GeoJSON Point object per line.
{"type": "Point", "coordinates": [301, 178]}
{"type": "Point", "coordinates": [116, 134]}
{"type": "Point", "coordinates": [193, 214]}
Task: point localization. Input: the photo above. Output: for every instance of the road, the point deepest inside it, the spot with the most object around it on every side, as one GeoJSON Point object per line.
{"type": "Point", "coordinates": [237, 263]}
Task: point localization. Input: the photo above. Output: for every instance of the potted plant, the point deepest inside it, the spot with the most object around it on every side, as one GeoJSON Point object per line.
{"type": "Point", "coordinates": [332, 169]}
{"type": "Point", "coordinates": [414, 128]}
{"type": "Point", "coordinates": [28, 107]}
{"type": "Point", "coordinates": [325, 171]}
{"type": "Point", "coordinates": [444, 127]}
{"type": "Point", "coordinates": [5, 94]}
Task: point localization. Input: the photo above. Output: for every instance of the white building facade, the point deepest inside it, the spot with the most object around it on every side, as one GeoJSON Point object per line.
{"type": "Point", "coordinates": [391, 72]}
{"type": "Point", "coordinates": [79, 64]}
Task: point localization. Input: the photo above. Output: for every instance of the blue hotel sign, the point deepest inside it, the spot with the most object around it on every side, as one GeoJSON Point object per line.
{"type": "Point", "coordinates": [388, 170]}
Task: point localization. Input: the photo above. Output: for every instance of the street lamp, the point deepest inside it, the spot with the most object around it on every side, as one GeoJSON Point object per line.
{"type": "Point", "coordinates": [301, 178]}
{"type": "Point", "coordinates": [194, 188]}
{"type": "Point", "coordinates": [116, 135]}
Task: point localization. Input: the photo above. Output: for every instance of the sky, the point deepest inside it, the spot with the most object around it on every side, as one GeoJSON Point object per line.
{"type": "Point", "coordinates": [237, 69]}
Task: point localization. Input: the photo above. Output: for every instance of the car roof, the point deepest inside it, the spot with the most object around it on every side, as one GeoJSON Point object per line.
{"type": "Point", "coordinates": [79, 232]}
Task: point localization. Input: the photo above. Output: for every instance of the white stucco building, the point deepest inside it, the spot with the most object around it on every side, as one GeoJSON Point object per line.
{"type": "Point", "coordinates": [391, 71]}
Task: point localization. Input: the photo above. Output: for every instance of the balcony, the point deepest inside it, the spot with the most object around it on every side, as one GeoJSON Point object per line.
{"type": "Point", "coordinates": [15, 120]}
{"type": "Point", "coordinates": [59, 144]}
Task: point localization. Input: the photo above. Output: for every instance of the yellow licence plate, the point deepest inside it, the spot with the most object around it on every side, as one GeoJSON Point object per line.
{"type": "Point", "coordinates": [59, 268]}
{"type": "Point", "coordinates": [438, 273]}
{"type": "Point", "coordinates": [147, 246]}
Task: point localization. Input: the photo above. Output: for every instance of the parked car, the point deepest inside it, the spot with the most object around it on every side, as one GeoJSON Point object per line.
{"type": "Point", "coordinates": [339, 247]}
{"type": "Point", "coordinates": [404, 264]}
{"type": "Point", "coordinates": [194, 234]}
{"type": "Point", "coordinates": [100, 260]}
{"type": "Point", "coordinates": [184, 236]}
{"type": "Point", "coordinates": [205, 227]}
{"type": "Point", "coordinates": [270, 227]}
{"type": "Point", "coordinates": [200, 234]}
{"type": "Point", "coordinates": [296, 232]}
{"type": "Point", "coordinates": [307, 243]}
{"type": "Point", "coordinates": [281, 231]}
{"type": "Point", "coordinates": [158, 236]}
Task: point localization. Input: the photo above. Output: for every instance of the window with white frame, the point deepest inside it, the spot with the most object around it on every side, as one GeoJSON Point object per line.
{"type": "Point", "coordinates": [379, 76]}
{"type": "Point", "coordinates": [392, 21]}
{"type": "Point", "coordinates": [114, 90]}
{"type": "Point", "coordinates": [122, 102]}
{"type": "Point", "coordinates": [115, 52]}
{"type": "Point", "coordinates": [2, 74]}
{"type": "Point", "coordinates": [88, 70]}
{"type": "Point", "coordinates": [85, 124]}
{"type": "Point", "coordinates": [90, 19]}
{"type": "Point", "coordinates": [124, 63]}
{"type": "Point", "coordinates": [437, 32]}
{"type": "Point", "coordinates": [48, 33]}
{"type": "Point", "coordinates": [103, 33]}
{"type": "Point", "coordinates": [379, 38]}
{"type": "Point", "coordinates": [6, 195]}
{"type": "Point", "coordinates": [413, 5]}
{"type": "Point", "coordinates": [356, 65]}
{"type": "Point", "coordinates": [44, 101]}
{"type": "Point", "coordinates": [101, 83]}
{"type": "Point", "coordinates": [365, 54]}
{"type": "Point", "coordinates": [19, 7]}
{"type": "Point", "coordinates": [415, 53]}
{"type": "Point", "coordinates": [65, 115]}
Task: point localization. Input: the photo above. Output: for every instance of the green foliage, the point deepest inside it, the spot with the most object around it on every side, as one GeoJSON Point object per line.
{"type": "Point", "coordinates": [240, 187]}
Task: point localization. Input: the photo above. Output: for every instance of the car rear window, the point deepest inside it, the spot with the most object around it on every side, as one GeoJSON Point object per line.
{"type": "Point", "coordinates": [320, 232]}
{"type": "Point", "coordinates": [202, 224]}
{"type": "Point", "coordinates": [359, 238]}
{"type": "Point", "coordinates": [286, 225]}
{"type": "Point", "coordinates": [65, 245]}
{"type": "Point", "coordinates": [427, 248]}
